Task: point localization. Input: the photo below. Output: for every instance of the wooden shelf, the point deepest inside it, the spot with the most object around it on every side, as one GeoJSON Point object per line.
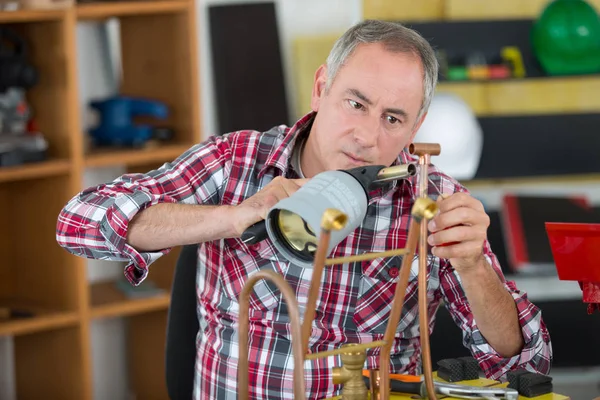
{"type": "Point", "coordinates": [42, 320]}
{"type": "Point", "coordinates": [455, 10]}
{"type": "Point", "coordinates": [574, 179]}
{"type": "Point", "coordinates": [507, 9]}
{"type": "Point", "coordinates": [133, 157]}
{"type": "Point", "coordinates": [109, 9]}
{"type": "Point", "coordinates": [529, 96]}
{"type": "Point", "coordinates": [20, 16]}
{"type": "Point", "coordinates": [108, 301]}
{"type": "Point", "coordinates": [36, 170]}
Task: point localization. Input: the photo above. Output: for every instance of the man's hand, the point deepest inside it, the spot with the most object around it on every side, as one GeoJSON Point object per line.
{"type": "Point", "coordinates": [255, 208]}
{"type": "Point", "coordinates": [459, 231]}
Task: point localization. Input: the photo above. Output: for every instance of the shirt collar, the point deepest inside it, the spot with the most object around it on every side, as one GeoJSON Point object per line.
{"type": "Point", "coordinates": [280, 156]}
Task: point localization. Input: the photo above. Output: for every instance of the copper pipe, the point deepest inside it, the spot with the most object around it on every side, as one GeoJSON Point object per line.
{"type": "Point", "coordinates": [423, 313]}
{"type": "Point", "coordinates": [423, 210]}
{"type": "Point", "coordinates": [395, 313]}
{"type": "Point", "coordinates": [424, 160]}
{"type": "Point", "coordinates": [333, 219]}
{"type": "Point", "coordinates": [374, 384]}
{"type": "Point", "coordinates": [420, 149]}
{"type": "Point", "coordinates": [355, 347]}
{"type": "Point", "coordinates": [290, 298]}
{"type": "Point", "coordinates": [315, 285]}
{"type": "Point", "coordinates": [365, 256]}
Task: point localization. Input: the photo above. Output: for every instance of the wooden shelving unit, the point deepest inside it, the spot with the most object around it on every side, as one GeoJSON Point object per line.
{"type": "Point", "coordinates": [52, 347]}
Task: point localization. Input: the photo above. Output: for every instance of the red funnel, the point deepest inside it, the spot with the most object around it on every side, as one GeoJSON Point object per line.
{"type": "Point", "coordinates": [576, 252]}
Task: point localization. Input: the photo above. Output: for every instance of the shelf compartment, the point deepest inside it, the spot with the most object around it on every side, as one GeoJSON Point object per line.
{"type": "Point", "coordinates": [108, 301]}
{"type": "Point", "coordinates": [48, 52]}
{"type": "Point", "coordinates": [131, 157]}
{"type": "Point", "coordinates": [42, 319]}
{"type": "Point", "coordinates": [31, 255]}
{"type": "Point", "coordinates": [51, 365]}
{"type": "Point", "coordinates": [534, 96]}
{"type": "Point", "coordinates": [42, 169]}
{"type": "Point", "coordinates": [109, 9]}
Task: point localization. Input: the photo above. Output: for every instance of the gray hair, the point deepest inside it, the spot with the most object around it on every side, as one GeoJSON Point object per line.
{"type": "Point", "coordinates": [396, 38]}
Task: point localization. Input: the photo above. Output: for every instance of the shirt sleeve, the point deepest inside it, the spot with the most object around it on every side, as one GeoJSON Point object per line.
{"type": "Point", "coordinates": [94, 223]}
{"type": "Point", "coordinates": [536, 355]}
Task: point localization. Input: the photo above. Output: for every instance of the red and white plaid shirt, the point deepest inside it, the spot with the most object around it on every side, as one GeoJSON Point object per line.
{"type": "Point", "coordinates": [355, 298]}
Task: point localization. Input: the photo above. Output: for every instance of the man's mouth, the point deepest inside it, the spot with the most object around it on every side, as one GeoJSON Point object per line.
{"type": "Point", "coordinates": [356, 159]}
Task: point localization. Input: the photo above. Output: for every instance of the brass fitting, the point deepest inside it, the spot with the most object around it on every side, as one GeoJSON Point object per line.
{"type": "Point", "coordinates": [350, 374]}
{"type": "Point", "coordinates": [333, 220]}
{"type": "Point", "coordinates": [424, 207]}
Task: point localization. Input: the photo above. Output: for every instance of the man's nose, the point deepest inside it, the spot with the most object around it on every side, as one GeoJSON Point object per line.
{"type": "Point", "coordinates": [366, 134]}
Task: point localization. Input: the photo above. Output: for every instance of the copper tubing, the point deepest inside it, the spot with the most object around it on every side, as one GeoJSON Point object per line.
{"type": "Point", "coordinates": [421, 149]}
{"type": "Point", "coordinates": [290, 298]}
{"type": "Point", "coordinates": [365, 256]}
{"type": "Point", "coordinates": [423, 313]}
{"type": "Point", "coordinates": [315, 285]}
{"type": "Point", "coordinates": [395, 313]}
{"type": "Point", "coordinates": [333, 219]}
{"type": "Point", "coordinates": [422, 280]}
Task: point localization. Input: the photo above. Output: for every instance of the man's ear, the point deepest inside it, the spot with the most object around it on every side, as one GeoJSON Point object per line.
{"type": "Point", "coordinates": [416, 128]}
{"type": "Point", "coordinates": [318, 90]}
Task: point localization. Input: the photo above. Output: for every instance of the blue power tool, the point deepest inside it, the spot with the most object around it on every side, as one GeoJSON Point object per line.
{"type": "Point", "coordinates": [116, 127]}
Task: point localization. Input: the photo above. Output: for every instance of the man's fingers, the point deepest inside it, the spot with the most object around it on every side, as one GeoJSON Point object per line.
{"type": "Point", "coordinates": [460, 199]}
{"type": "Point", "coordinates": [458, 216]}
{"type": "Point", "coordinates": [457, 234]}
{"type": "Point", "coordinates": [458, 250]}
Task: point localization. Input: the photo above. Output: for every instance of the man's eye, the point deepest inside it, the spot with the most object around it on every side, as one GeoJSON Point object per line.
{"type": "Point", "coordinates": [355, 104]}
{"type": "Point", "coordinates": [391, 120]}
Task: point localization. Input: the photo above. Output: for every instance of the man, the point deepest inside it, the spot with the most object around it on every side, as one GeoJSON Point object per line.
{"type": "Point", "coordinates": [368, 102]}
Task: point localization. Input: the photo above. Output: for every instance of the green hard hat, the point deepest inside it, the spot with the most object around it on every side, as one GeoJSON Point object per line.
{"type": "Point", "coordinates": [566, 38]}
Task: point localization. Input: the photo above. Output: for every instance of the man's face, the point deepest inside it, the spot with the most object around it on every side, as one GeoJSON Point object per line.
{"type": "Point", "coordinates": [369, 114]}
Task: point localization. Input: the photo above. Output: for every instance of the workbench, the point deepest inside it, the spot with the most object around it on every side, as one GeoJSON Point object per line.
{"type": "Point", "coordinates": [481, 382]}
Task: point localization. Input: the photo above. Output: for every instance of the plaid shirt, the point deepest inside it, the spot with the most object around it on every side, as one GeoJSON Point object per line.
{"type": "Point", "coordinates": [355, 298]}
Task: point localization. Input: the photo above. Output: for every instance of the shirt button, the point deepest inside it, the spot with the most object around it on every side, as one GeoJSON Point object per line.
{"type": "Point", "coordinates": [393, 272]}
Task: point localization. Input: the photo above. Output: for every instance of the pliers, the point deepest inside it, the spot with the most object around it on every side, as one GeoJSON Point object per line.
{"type": "Point", "coordinates": [414, 385]}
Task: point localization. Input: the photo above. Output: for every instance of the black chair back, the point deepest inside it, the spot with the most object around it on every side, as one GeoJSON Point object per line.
{"type": "Point", "coordinates": [182, 327]}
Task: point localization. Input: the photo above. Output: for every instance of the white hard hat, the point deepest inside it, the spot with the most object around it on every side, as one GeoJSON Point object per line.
{"type": "Point", "coordinates": [453, 124]}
